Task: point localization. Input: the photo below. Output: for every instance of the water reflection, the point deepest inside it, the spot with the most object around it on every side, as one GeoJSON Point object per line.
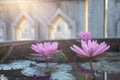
{"type": "Point", "coordinates": [26, 69]}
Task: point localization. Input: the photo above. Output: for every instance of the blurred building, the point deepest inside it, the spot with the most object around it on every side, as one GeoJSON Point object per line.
{"type": "Point", "coordinates": [56, 19]}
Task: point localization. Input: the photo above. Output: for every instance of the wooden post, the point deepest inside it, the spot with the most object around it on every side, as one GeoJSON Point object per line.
{"type": "Point", "coordinates": [85, 15]}
{"type": "Point", "coordinates": [105, 19]}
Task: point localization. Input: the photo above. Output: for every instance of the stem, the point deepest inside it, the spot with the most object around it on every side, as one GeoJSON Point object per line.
{"type": "Point", "coordinates": [86, 77]}
{"type": "Point", "coordinates": [7, 54]}
{"type": "Point", "coordinates": [91, 67]}
{"type": "Point", "coordinates": [46, 61]}
{"type": "Point", "coordinates": [105, 75]}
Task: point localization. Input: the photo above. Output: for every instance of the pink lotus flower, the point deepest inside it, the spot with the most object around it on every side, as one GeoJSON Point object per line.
{"type": "Point", "coordinates": [85, 36]}
{"type": "Point", "coordinates": [90, 49]}
{"type": "Point", "coordinates": [45, 49]}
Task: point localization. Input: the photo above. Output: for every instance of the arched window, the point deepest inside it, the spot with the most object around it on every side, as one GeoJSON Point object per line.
{"type": "Point", "coordinates": [23, 27]}
{"type": "Point", "coordinates": [2, 31]}
{"type": "Point", "coordinates": [25, 31]}
{"type": "Point", "coordinates": [1, 34]}
{"type": "Point", "coordinates": [62, 30]}
{"type": "Point", "coordinates": [61, 26]}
